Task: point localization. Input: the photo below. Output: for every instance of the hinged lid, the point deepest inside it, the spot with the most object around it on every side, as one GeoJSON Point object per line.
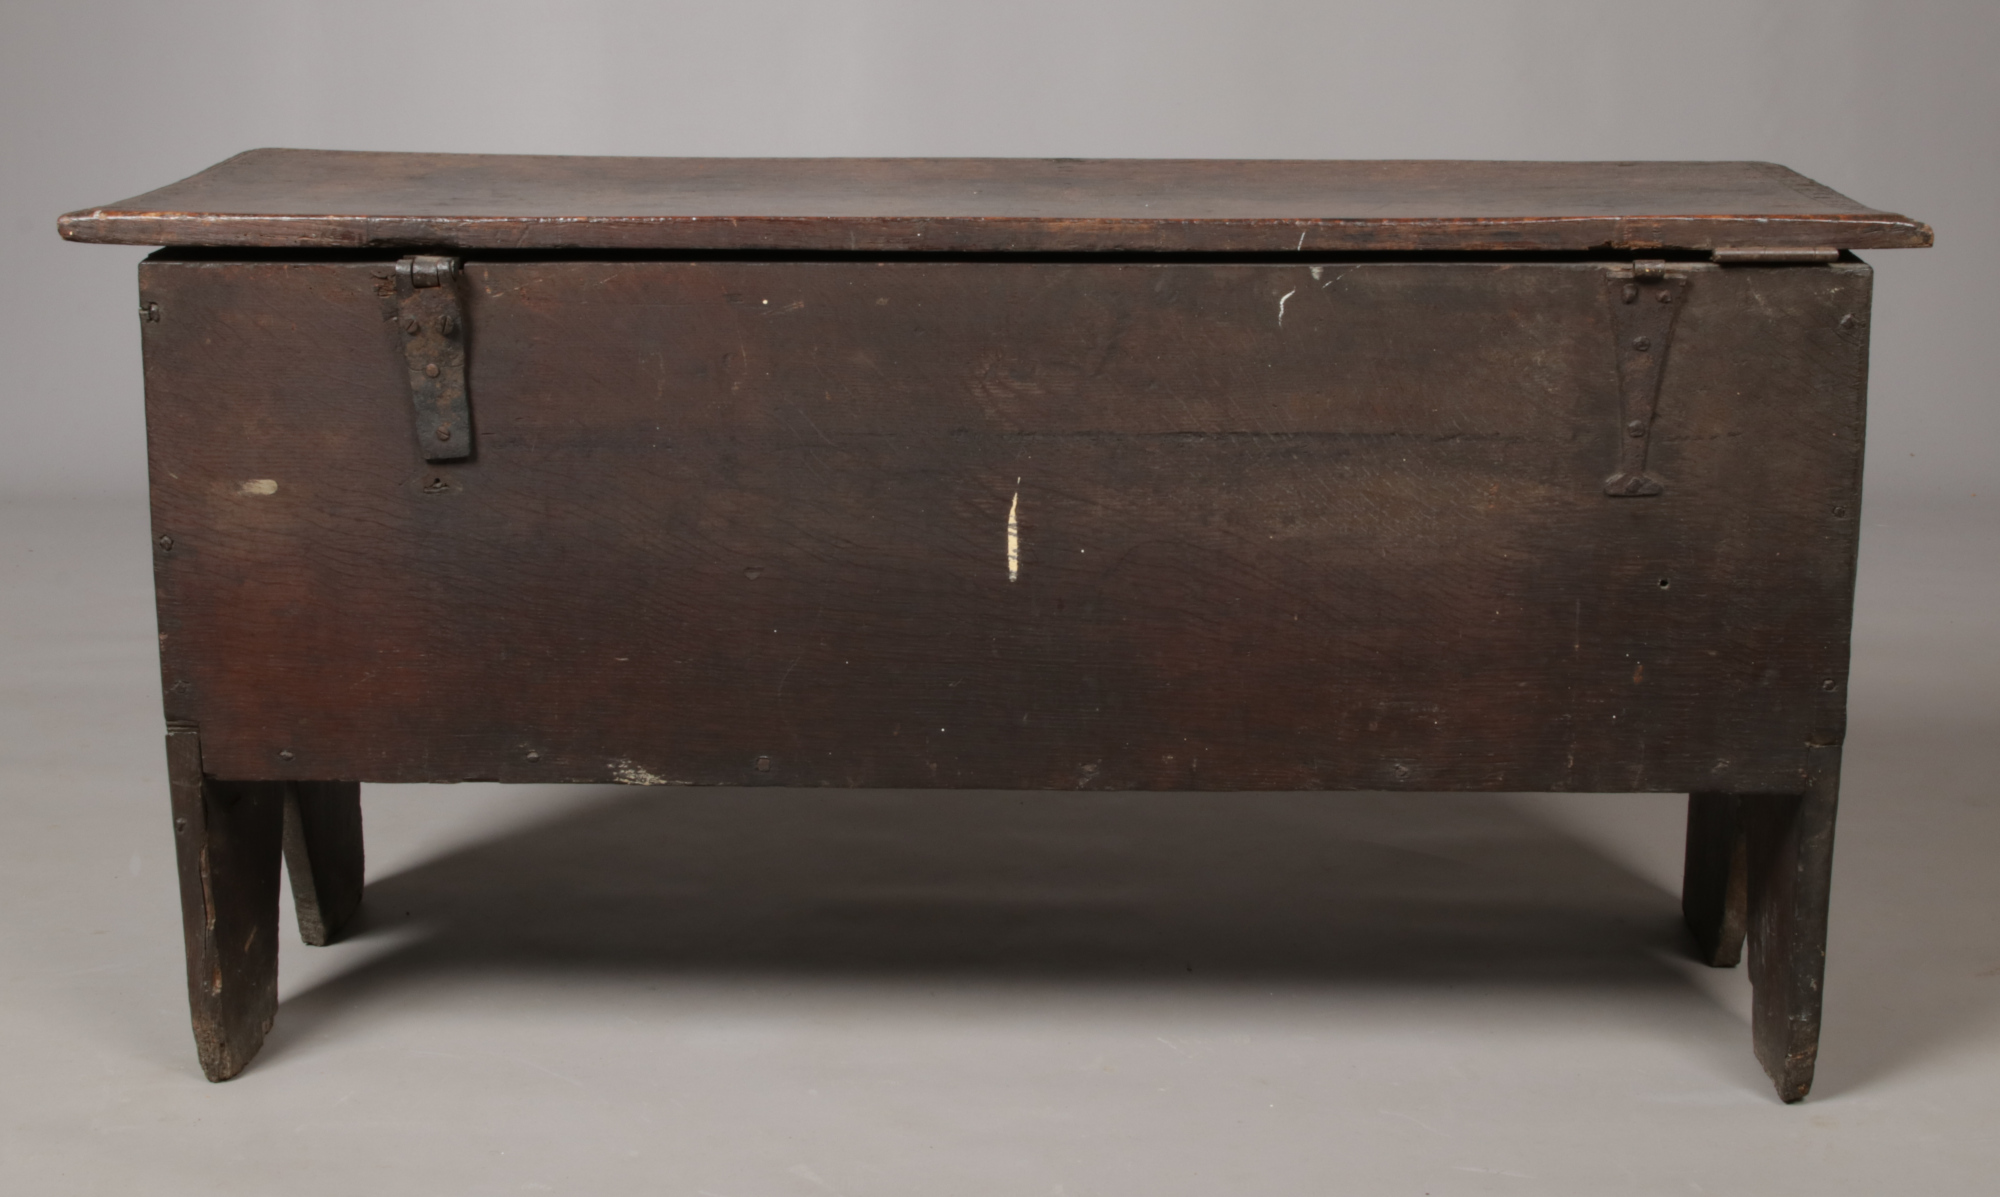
{"type": "Point", "coordinates": [323, 199]}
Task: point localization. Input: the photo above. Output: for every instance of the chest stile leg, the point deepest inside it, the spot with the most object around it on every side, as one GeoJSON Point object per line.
{"type": "Point", "coordinates": [1790, 849]}
{"type": "Point", "coordinates": [1715, 887]}
{"type": "Point", "coordinates": [226, 837]}
{"type": "Point", "coordinates": [323, 855]}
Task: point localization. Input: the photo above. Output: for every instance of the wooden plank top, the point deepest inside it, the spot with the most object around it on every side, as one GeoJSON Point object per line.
{"type": "Point", "coordinates": [332, 199]}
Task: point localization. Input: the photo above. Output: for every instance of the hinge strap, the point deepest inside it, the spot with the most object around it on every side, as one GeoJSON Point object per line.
{"type": "Point", "coordinates": [1644, 306]}
{"type": "Point", "coordinates": [430, 321]}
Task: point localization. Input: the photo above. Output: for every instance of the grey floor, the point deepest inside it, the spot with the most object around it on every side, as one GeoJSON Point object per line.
{"type": "Point", "coordinates": [774, 993]}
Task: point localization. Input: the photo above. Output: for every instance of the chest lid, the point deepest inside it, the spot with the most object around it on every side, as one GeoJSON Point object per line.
{"type": "Point", "coordinates": [329, 199]}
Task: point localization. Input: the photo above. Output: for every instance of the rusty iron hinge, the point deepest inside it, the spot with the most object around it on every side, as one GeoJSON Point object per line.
{"type": "Point", "coordinates": [1644, 305]}
{"type": "Point", "coordinates": [430, 319]}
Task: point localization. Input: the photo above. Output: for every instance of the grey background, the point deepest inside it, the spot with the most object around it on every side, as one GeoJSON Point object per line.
{"type": "Point", "coordinates": [580, 991]}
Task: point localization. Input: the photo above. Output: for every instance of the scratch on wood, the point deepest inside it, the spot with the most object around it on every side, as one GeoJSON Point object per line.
{"type": "Point", "coordinates": [1014, 535]}
{"type": "Point", "coordinates": [1281, 305]}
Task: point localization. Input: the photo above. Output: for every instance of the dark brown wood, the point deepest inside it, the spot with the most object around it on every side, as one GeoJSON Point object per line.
{"type": "Point", "coordinates": [316, 199]}
{"type": "Point", "coordinates": [1322, 526]}
{"type": "Point", "coordinates": [1715, 897]}
{"type": "Point", "coordinates": [323, 855]}
{"type": "Point", "coordinates": [226, 840]}
{"type": "Point", "coordinates": [1002, 473]}
{"type": "Point", "coordinates": [1790, 842]}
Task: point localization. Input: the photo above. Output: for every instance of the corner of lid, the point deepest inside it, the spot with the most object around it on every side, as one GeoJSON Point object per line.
{"type": "Point", "coordinates": [74, 226]}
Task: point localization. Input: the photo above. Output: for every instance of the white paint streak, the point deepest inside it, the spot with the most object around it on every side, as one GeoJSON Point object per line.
{"type": "Point", "coordinates": [1281, 305]}
{"type": "Point", "coordinates": [1014, 535]}
{"type": "Point", "coordinates": [1317, 271]}
{"type": "Point", "coordinates": [626, 773]}
{"type": "Point", "coordinates": [260, 486]}
{"type": "Point", "coordinates": [1302, 239]}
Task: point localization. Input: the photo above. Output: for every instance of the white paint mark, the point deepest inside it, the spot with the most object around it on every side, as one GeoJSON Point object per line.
{"type": "Point", "coordinates": [260, 486]}
{"type": "Point", "coordinates": [1281, 305]}
{"type": "Point", "coordinates": [1014, 535]}
{"type": "Point", "coordinates": [1302, 239]}
{"type": "Point", "coordinates": [626, 773]}
{"type": "Point", "coordinates": [1317, 271]}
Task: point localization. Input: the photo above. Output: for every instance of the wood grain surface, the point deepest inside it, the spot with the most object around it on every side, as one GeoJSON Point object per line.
{"type": "Point", "coordinates": [284, 198]}
{"type": "Point", "coordinates": [1790, 856]}
{"type": "Point", "coordinates": [226, 844]}
{"type": "Point", "coordinates": [324, 856]}
{"type": "Point", "coordinates": [1332, 525]}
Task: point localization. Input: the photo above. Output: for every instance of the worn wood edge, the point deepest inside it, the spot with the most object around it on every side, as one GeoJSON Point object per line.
{"type": "Point", "coordinates": [190, 816]}
{"type": "Point", "coordinates": [159, 216]}
{"type": "Point", "coordinates": [959, 234]}
{"type": "Point", "coordinates": [642, 770]}
{"type": "Point", "coordinates": [1790, 843]}
{"type": "Point", "coordinates": [312, 920]}
{"type": "Point", "coordinates": [229, 1013]}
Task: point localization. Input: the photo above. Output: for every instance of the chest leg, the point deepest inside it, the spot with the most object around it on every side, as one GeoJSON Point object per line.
{"type": "Point", "coordinates": [226, 842]}
{"type": "Point", "coordinates": [1715, 892]}
{"type": "Point", "coordinates": [323, 855]}
{"type": "Point", "coordinates": [1789, 845]}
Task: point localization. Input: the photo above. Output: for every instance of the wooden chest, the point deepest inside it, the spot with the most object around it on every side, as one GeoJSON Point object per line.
{"type": "Point", "coordinates": [1001, 473]}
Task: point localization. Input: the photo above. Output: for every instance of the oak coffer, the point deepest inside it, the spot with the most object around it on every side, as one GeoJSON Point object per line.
{"type": "Point", "coordinates": [1170, 475]}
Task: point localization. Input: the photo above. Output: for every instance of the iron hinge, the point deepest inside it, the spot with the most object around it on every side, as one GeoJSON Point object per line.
{"type": "Point", "coordinates": [1644, 305]}
{"type": "Point", "coordinates": [430, 321]}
